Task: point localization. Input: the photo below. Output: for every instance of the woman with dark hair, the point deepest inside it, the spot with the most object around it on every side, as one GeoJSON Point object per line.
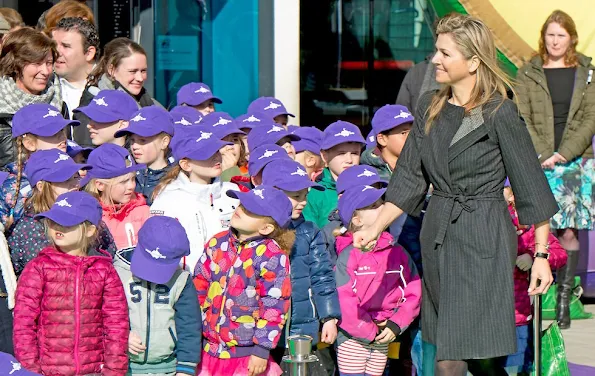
{"type": "Point", "coordinates": [557, 100]}
{"type": "Point", "coordinates": [26, 64]}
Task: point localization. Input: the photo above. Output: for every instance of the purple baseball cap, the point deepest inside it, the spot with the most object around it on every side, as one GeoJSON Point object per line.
{"type": "Point", "coordinates": [266, 201]}
{"type": "Point", "coordinates": [310, 139]}
{"type": "Point", "coordinates": [268, 133]}
{"type": "Point", "coordinates": [110, 161]}
{"type": "Point", "coordinates": [358, 175]}
{"type": "Point", "coordinates": [73, 208]}
{"type": "Point", "coordinates": [110, 106]}
{"type": "Point", "coordinates": [252, 120]}
{"type": "Point", "coordinates": [269, 106]}
{"type": "Point", "coordinates": [73, 149]}
{"type": "Point", "coordinates": [221, 123]}
{"type": "Point", "coordinates": [288, 175]}
{"type": "Point", "coordinates": [3, 176]}
{"type": "Point", "coordinates": [198, 143]}
{"type": "Point", "coordinates": [357, 197]}
{"type": "Point", "coordinates": [147, 122]}
{"type": "Point", "coordinates": [39, 119]}
{"type": "Point", "coordinates": [196, 93]}
{"type": "Point", "coordinates": [371, 139]}
{"type": "Point", "coordinates": [263, 155]}
{"type": "Point", "coordinates": [341, 132]}
{"type": "Point", "coordinates": [506, 183]}
{"type": "Point", "coordinates": [191, 116]}
{"type": "Point", "coordinates": [162, 242]}
{"type": "Point", "coordinates": [10, 366]}
{"type": "Point", "coordinates": [390, 116]}
{"type": "Point", "coordinates": [53, 166]}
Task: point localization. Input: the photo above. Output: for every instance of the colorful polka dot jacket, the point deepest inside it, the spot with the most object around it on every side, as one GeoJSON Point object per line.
{"type": "Point", "coordinates": [244, 290]}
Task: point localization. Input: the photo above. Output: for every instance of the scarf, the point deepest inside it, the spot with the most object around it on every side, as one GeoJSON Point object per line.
{"type": "Point", "coordinates": [13, 99]}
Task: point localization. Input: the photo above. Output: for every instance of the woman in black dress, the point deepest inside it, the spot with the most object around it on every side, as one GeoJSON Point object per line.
{"type": "Point", "coordinates": [466, 139]}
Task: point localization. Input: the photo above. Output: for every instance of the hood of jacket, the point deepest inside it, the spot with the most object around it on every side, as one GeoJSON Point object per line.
{"type": "Point", "coordinates": [121, 211]}
{"type": "Point", "coordinates": [206, 192]}
{"type": "Point", "coordinates": [385, 240]}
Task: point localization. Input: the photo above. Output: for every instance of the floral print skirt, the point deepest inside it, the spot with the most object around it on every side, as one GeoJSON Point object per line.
{"type": "Point", "coordinates": [572, 186]}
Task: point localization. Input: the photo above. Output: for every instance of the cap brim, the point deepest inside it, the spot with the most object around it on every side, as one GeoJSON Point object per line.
{"type": "Point", "coordinates": [74, 152]}
{"type": "Point", "coordinates": [144, 266]}
{"type": "Point", "coordinates": [61, 217]}
{"type": "Point", "coordinates": [248, 200]}
{"type": "Point", "coordinates": [139, 130]}
{"type": "Point", "coordinates": [354, 205]}
{"type": "Point", "coordinates": [295, 187]}
{"type": "Point", "coordinates": [306, 145]}
{"type": "Point", "coordinates": [226, 131]}
{"type": "Point", "coordinates": [99, 174]}
{"type": "Point", "coordinates": [98, 116]}
{"type": "Point", "coordinates": [329, 145]}
{"type": "Point", "coordinates": [66, 173]}
{"type": "Point", "coordinates": [204, 152]}
{"type": "Point", "coordinates": [196, 102]}
{"type": "Point", "coordinates": [52, 128]}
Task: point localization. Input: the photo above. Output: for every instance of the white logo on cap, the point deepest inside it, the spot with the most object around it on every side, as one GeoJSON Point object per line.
{"type": "Point", "coordinates": [268, 153]}
{"type": "Point", "coordinates": [138, 117]}
{"type": "Point", "coordinates": [299, 172]}
{"type": "Point", "coordinates": [272, 106]}
{"type": "Point", "coordinates": [202, 90]}
{"type": "Point", "coordinates": [371, 138]}
{"type": "Point", "coordinates": [258, 192]}
{"type": "Point", "coordinates": [251, 119]}
{"type": "Point", "coordinates": [51, 113]}
{"type": "Point", "coordinates": [16, 366]}
{"type": "Point", "coordinates": [62, 157]}
{"type": "Point", "coordinates": [275, 129]}
{"type": "Point", "coordinates": [367, 187]}
{"type": "Point", "coordinates": [204, 136]}
{"type": "Point", "coordinates": [366, 173]}
{"type": "Point", "coordinates": [403, 115]}
{"type": "Point", "coordinates": [100, 101]}
{"type": "Point", "coordinates": [183, 122]}
{"type": "Point", "coordinates": [222, 122]}
{"type": "Point", "coordinates": [63, 203]}
{"type": "Point", "coordinates": [344, 133]}
{"type": "Point", "coordinates": [155, 253]}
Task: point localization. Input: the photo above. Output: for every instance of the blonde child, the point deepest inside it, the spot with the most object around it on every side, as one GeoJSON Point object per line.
{"type": "Point", "coordinates": [112, 182]}
{"type": "Point", "coordinates": [192, 192]}
{"type": "Point", "coordinates": [34, 127]}
{"type": "Point", "coordinates": [244, 287]}
{"type": "Point", "coordinates": [379, 288]}
{"type": "Point", "coordinates": [71, 316]}
{"type": "Point", "coordinates": [307, 150]}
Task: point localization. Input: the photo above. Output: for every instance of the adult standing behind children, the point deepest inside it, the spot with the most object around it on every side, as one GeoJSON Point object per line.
{"type": "Point", "coordinates": [464, 141]}
{"type": "Point", "coordinates": [557, 100]}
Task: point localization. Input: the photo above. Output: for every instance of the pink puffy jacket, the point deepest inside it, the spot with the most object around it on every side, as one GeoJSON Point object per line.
{"type": "Point", "coordinates": [71, 316]}
{"type": "Point", "coordinates": [124, 220]}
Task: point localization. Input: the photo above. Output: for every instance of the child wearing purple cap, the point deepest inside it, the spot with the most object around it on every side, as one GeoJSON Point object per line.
{"type": "Point", "coordinates": [273, 108]}
{"type": "Point", "coordinates": [112, 182]}
{"type": "Point", "coordinates": [340, 149]}
{"type": "Point", "coordinates": [388, 294]}
{"type": "Point", "coordinates": [192, 191]}
{"type": "Point", "coordinates": [75, 280]}
{"type": "Point", "coordinates": [198, 96]}
{"type": "Point", "coordinates": [34, 127]}
{"type": "Point", "coordinates": [51, 173]}
{"type": "Point", "coordinates": [307, 150]}
{"type": "Point", "coordinates": [261, 156]}
{"type": "Point", "coordinates": [165, 331]}
{"type": "Point", "coordinates": [271, 133]}
{"type": "Point", "coordinates": [244, 287]}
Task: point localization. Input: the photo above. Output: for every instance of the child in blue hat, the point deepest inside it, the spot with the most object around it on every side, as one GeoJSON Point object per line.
{"type": "Point", "coordinates": [192, 191]}
{"type": "Point", "coordinates": [307, 150]}
{"type": "Point", "coordinates": [341, 147]}
{"type": "Point", "coordinates": [244, 287]}
{"type": "Point", "coordinates": [149, 135]}
{"type": "Point", "coordinates": [165, 319]}
{"type": "Point", "coordinates": [71, 315]}
{"type": "Point", "coordinates": [314, 298]}
{"type": "Point", "coordinates": [273, 108]}
{"type": "Point", "coordinates": [112, 180]}
{"type": "Point", "coordinates": [198, 96]}
{"type": "Point", "coordinates": [50, 173]}
{"type": "Point", "coordinates": [34, 127]}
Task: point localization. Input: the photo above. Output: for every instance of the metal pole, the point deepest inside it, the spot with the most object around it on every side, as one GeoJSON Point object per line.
{"type": "Point", "coordinates": [298, 369]}
{"type": "Point", "coordinates": [537, 333]}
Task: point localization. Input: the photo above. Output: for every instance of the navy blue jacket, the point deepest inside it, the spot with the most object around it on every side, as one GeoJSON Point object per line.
{"type": "Point", "coordinates": [147, 180]}
{"type": "Point", "coordinates": [314, 290]}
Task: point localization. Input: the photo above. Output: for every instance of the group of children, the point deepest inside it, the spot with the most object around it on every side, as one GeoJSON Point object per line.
{"type": "Point", "coordinates": [190, 242]}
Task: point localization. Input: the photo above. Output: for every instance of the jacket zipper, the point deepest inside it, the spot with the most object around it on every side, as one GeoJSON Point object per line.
{"type": "Point", "coordinates": [311, 302]}
{"type": "Point", "coordinates": [148, 322]}
{"type": "Point", "coordinates": [77, 323]}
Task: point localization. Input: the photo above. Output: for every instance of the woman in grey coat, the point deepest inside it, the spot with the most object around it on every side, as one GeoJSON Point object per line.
{"type": "Point", "coordinates": [466, 139]}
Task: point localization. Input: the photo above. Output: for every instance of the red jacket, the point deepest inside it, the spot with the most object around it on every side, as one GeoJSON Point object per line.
{"type": "Point", "coordinates": [124, 220]}
{"type": "Point", "coordinates": [71, 316]}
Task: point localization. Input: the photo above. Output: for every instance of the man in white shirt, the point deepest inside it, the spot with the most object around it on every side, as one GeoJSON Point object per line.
{"type": "Point", "coordinates": [78, 46]}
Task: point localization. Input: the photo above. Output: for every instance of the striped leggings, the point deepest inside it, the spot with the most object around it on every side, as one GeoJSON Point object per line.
{"type": "Point", "coordinates": [356, 358]}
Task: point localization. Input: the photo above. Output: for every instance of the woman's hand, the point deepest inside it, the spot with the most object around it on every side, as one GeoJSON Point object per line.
{"type": "Point", "coordinates": [552, 161]}
{"type": "Point", "coordinates": [256, 365]}
{"type": "Point", "coordinates": [329, 332]}
{"type": "Point", "coordinates": [366, 238]}
{"type": "Point", "coordinates": [542, 272]}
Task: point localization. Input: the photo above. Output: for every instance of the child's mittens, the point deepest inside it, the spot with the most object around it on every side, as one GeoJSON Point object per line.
{"type": "Point", "coordinates": [135, 345]}
{"type": "Point", "coordinates": [524, 262]}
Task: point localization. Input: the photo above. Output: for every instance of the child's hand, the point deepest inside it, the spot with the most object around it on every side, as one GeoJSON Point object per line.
{"type": "Point", "coordinates": [524, 262]}
{"type": "Point", "coordinates": [386, 336]}
{"type": "Point", "coordinates": [135, 346]}
{"type": "Point", "coordinates": [256, 365]}
{"type": "Point", "coordinates": [329, 332]}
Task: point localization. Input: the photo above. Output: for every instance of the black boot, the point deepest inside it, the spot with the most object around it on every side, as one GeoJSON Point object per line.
{"type": "Point", "coordinates": [565, 285]}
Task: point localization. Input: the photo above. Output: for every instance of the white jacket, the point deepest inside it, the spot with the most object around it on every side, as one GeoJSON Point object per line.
{"type": "Point", "coordinates": [203, 210]}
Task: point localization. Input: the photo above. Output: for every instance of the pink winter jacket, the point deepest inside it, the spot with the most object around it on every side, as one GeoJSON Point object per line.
{"type": "Point", "coordinates": [526, 244]}
{"type": "Point", "coordinates": [377, 285]}
{"type": "Point", "coordinates": [124, 221]}
{"type": "Point", "coordinates": [71, 316]}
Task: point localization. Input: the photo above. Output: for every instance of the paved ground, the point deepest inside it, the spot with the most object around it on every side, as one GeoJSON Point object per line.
{"type": "Point", "coordinates": [580, 340]}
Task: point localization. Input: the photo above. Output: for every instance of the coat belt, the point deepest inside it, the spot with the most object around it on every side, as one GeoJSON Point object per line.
{"type": "Point", "coordinates": [455, 205]}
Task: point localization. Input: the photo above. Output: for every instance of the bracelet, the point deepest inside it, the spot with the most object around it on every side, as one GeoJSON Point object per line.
{"type": "Point", "coordinates": [546, 246]}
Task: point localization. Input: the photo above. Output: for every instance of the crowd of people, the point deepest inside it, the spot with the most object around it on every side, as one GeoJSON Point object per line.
{"type": "Point", "coordinates": [184, 241]}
